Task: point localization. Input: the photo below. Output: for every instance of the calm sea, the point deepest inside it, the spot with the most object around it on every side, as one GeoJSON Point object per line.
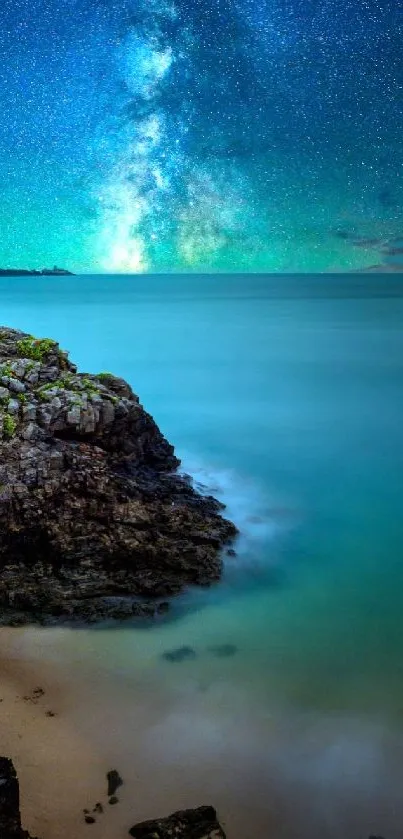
{"type": "Point", "coordinates": [285, 397]}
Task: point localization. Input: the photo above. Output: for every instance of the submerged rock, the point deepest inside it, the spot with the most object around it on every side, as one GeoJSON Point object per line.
{"type": "Point", "coordinates": [95, 522]}
{"type": "Point", "coordinates": [200, 823]}
{"type": "Point", "coordinates": [180, 654]}
{"type": "Point", "coordinates": [10, 818]}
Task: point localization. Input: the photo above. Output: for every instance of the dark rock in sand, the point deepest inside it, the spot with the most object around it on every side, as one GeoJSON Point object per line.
{"type": "Point", "coordinates": [180, 654]}
{"type": "Point", "coordinates": [10, 819]}
{"type": "Point", "coordinates": [114, 781]}
{"type": "Point", "coordinates": [36, 694]}
{"type": "Point", "coordinates": [89, 819]}
{"type": "Point", "coordinates": [185, 824]}
{"type": "Point", "coordinates": [224, 650]}
{"type": "Point", "coordinates": [113, 799]}
{"type": "Point", "coordinates": [95, 521]}
{"type": "Point", "coordinates": [98, 808]}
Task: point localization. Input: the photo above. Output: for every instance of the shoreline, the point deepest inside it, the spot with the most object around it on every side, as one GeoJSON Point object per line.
{"type": "Point", "coordinates": [268, 770]}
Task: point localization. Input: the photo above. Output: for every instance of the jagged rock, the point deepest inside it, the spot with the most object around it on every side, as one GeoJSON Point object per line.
{"type": "Point", "coordinates": [10, 819]}
{"type": "Point", "coordinates": [95, 521]}
{"type": "Point", "coordinates": [200, 823]}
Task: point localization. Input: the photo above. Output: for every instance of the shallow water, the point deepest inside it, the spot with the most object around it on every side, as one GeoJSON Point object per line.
{"type": "Point", "coordinates": [285, 400]}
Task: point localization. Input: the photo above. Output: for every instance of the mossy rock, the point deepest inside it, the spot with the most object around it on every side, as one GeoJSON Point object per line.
{"type": "Point", "coordinates": [9, 426]}
{"type": "Point", "coordinates": [35, 348]}
{"type": "Point", "coordinates": [6, 370]}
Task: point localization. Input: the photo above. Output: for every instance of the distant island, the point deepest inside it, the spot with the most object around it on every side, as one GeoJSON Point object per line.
{"type": "Point", "coordinates": [46, 272]}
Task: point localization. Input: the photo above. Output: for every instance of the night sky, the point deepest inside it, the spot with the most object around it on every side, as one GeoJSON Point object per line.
{"type": "Point", "coordinates": [199, 135]}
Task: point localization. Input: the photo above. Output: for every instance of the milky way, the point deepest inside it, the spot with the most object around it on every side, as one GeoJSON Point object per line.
{"type": "Point", "coordinates": [206, 135]}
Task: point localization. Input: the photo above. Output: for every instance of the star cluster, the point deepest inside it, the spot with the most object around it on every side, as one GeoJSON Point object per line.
{"type": "Point", "coordinates": [199, 135]}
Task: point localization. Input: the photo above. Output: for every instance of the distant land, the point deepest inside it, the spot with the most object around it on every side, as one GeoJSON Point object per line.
{"type": "Point", "coordinates": [45, 272]}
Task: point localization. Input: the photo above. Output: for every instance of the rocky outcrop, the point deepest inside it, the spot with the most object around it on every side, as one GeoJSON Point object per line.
{"type": "Point", "coordinates": [10, 819]}
{"type": "Point", "coordinates": [46, 272]}
{"type": "Point", "coordinates": [185, 824]}
{"type": "Point", "coordinates": [94, 520]}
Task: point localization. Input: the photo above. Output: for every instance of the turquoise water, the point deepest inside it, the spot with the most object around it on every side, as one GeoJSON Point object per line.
{"type": "Point", "coordinates": [284, 396]}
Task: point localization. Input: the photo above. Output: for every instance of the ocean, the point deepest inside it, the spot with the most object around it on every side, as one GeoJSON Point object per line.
{"type": "Point", "coordinates": [284, 397]}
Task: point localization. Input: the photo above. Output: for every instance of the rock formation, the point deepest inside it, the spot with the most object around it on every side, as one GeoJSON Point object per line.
{"type": "Point", "coordinates": [10, 819]}
{"type": "Point", "coordinates": [26, 272]}
{"type": "Point", "coordinates": [94, 520]}
{"type": "Point", "coordinates": [185, 824]}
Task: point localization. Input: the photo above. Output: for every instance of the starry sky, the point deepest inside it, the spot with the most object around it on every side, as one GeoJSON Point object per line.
{"type": "Point", "coordinates": [200, 135]}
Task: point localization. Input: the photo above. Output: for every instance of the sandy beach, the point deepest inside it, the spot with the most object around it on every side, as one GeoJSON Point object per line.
{"type": "Point", "coordinates": [62, 760]}
{"type": "Point", "coordinates": [269, 772]}
{"type": "Point", "coordinates": [59, 772]}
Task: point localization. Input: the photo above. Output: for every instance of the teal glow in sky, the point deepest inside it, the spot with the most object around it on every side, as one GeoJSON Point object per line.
{"type": "Point", "coordinates": [206, 135]}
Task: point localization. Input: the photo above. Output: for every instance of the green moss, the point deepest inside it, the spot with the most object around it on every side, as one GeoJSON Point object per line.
{"type": "Point", "coordinates": [89, 386]}
{"type": "Point", "coordinates": [43, 395]}
{"type": "Point", "coordinates": [76, 384]}
{"type": "Point", "coordinates": [21, 398]}
{"type": "Point", "coordinates": [65, 383]}
{"type": "Point", "coordinates": [35, 348]}
{"type": "Point", "coordinates": [9, 426]}
{"type": "Point", "coordinates": [59, 383]}
{"type": "Point", "coordinates": [6, 370]}
{"type": "Point", "coordinates": [69, 382]}
{"type": "Point", "coordinates": [105, 376]}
